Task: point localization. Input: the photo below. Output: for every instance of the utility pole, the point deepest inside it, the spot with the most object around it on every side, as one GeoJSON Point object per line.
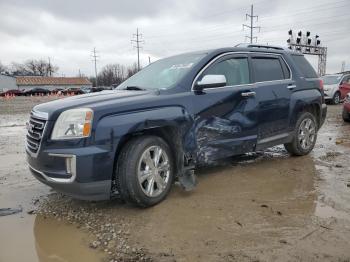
{"type": "Point", "coordinates": [49, 69]}
{"type": "Point", "coordinates": [95, 57]}
{"type": "Point", "coordinates": [137, 40]}
{"type": "Point", "coordinates": [251, 26]}
{"type": "Point", "coordinates": [149, 60]}
{"type": "Point", "coordinates": [342, 66]}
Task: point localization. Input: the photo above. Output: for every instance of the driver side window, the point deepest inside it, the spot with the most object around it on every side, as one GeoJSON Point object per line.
{"type": "Point", "coordinates": [236, 71]}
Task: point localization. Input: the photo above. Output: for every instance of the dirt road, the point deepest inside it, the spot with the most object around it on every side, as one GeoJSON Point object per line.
{"type": "Point", "coordinates": [266, 206]}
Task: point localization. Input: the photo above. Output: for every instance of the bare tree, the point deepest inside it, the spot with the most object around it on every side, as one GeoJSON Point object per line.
{"type": "Point", "coordinates": [114, 74]}
{"type": "Point", "coordinates": [3, 68]}
{"type": "Point", "coordinates": [133, 70]}
{"type": "Point", "coordinates": [34, 67]}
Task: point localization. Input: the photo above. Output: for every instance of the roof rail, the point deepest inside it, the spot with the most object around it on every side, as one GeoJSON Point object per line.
{"type": "Point", "coordinates": [260, 46]}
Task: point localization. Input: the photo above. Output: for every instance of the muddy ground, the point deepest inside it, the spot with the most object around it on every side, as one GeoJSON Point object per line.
{"type": "Point", "coordinates": [266, 206]}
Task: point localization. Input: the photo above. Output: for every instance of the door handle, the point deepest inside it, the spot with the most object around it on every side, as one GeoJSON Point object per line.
{"type": "Point", "coordinates": [291, 87]}
{"type": "Point", "coordinates": [248, 94]}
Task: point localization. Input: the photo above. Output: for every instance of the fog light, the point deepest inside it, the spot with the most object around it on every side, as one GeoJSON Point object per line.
{"type": "Point", "coordinates": [70, 166]}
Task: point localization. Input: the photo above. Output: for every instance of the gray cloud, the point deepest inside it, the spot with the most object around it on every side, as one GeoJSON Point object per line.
{"type": "Point", "coordinates": [68, 30]}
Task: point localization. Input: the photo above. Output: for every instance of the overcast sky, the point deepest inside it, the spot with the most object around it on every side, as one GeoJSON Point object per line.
{"type": "Point", "coordinates": [67, 31]}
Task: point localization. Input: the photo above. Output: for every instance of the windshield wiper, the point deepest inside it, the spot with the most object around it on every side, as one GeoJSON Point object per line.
{"type": "Point", "coordinates": [136, 88]}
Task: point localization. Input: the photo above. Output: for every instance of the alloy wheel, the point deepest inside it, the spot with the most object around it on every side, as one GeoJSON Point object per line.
{"type": "Point", "coordinates": [307, 133]}
{"type": "Point", "coordinates": [154, 171]}
{"type": "Point", "coordinates": [336, 98]}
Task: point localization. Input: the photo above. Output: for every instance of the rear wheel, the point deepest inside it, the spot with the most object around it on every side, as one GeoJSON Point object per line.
{"type": "Point", "coordinates": [305, 135]}
{"type": "Point", "coordinates": [145, 171]}
{"type": "Point", "coordinates": [336, 98]}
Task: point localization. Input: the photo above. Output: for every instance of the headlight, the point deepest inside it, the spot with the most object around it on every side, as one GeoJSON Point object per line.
{"type": "Point", "coordinates": [73, 123]}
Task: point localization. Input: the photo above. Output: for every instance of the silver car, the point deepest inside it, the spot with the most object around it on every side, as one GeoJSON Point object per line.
{"type": "Point", "coordinates": [331, 87]}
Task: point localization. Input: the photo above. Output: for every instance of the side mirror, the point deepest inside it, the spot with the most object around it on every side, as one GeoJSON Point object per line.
{"type": "Point", "coordinates": [211, 81]}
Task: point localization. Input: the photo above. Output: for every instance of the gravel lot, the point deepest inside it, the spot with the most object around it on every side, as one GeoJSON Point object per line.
{"type": "Point", "coordinates": [265, 206]}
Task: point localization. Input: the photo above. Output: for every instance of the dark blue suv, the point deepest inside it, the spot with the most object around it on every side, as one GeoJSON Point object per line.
{"type": "Point", "coordinates": [177, 113]}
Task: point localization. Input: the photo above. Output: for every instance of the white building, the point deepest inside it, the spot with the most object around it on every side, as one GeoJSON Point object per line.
{"type": "Point", "coordinates": [51, 83]}
{"type": "Point", "coordinates": [7, 83]}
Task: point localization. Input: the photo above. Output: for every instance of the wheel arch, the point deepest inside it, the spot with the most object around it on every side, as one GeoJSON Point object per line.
{"type": "Point", "coordinates": [306, 101]}
{"type": "Point", "coordinates": [169, 123]}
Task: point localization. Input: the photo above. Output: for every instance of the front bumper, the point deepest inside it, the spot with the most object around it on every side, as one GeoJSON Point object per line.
{"type": "Point", "coordinates": [80, 174]}
{"type": "Point", "coordinates": [328, 94]}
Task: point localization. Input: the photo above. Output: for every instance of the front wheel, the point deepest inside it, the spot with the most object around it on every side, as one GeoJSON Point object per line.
{"type": "Point", "coordinates": [145, 171]}
{"type": "Point", "coordinates": [336, 98]}
{"type": "Point", "coordinates": [305, 135]}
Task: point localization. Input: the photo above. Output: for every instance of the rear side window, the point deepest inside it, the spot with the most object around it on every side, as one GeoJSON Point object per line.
{"type": "Point", "coordinates": [304, 66]}
{"type": "Point", "coordinates": [268, 69]}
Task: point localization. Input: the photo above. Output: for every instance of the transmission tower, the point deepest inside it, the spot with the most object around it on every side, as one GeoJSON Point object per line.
{"type": "Point", "coordinates": [343, 66]}
{"type": "Point", "coordinates": [94, 59]}
{"type": "Point", "coordinates": [251, 16]}
{"type": "Point", "coordinates": [137, 40]}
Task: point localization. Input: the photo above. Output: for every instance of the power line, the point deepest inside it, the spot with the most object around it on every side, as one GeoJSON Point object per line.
{"type": "Point", "coordinates": [294, 13]}
{"type": "Point", "coordinates": [95, 58]}
{"type": "Point", "coordinates": [137, 40]}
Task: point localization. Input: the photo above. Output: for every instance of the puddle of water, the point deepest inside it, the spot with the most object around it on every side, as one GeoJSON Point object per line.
{"type": "Point", "coordinates": [34, 238]}
{"type": "Point", "coordinates": [55, 241]}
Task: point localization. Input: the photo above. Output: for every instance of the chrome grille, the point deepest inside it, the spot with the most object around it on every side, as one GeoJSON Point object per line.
{"type": "Point", "coordinates": [35, 131]}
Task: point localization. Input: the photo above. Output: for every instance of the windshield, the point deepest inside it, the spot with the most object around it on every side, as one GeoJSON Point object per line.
{"type": "Point", "coordinates": [331, 79]}
{"type": "Point", "coordinates": [162, 74]}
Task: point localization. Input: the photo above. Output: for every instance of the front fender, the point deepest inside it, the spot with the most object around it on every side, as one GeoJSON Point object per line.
{"type": "Point", "coordinates": [111, 129]}
{"type": "Point", "coordinates": [118, 125]}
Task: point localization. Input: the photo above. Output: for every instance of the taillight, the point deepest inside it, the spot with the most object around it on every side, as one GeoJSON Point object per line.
{"type": "Point", "coordinates": [321, 84]}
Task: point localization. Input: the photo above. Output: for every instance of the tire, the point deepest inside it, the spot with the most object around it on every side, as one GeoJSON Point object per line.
{"type": "Point", "coordinates": [303, 133]}
{"type": "Point", "coordinates": [134, 165]}
{"type": "Point", "coordinates": [346, 116]}
{"type": "Point", "coordinates": [336, 98]}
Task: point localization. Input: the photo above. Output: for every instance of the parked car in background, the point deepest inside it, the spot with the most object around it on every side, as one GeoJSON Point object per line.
{"type": "Point", "coordinates": [12, 92]}
{"type": "Point", "coordinates": [72, 91]}
{"type": "Point", "coordinates": [57, 90]}
{"type": "Point", "coordinates": [172, 116]}
{"type": "Point", "coordinates": [346, 108]}
{"type": "Point", "coordinates": [332, 85]}
{"type": "Point", "coordinates": [97, 89]}
{"type": "Point", "coordinates": [345, 87]}
{"type": "Point", "coordinates": [36, 91]}
{"type": "Point", "coordinates": [86, 90]}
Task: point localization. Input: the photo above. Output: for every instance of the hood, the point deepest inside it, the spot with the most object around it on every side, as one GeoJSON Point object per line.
{"type": "Point", "coordinates": [95, 101]}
